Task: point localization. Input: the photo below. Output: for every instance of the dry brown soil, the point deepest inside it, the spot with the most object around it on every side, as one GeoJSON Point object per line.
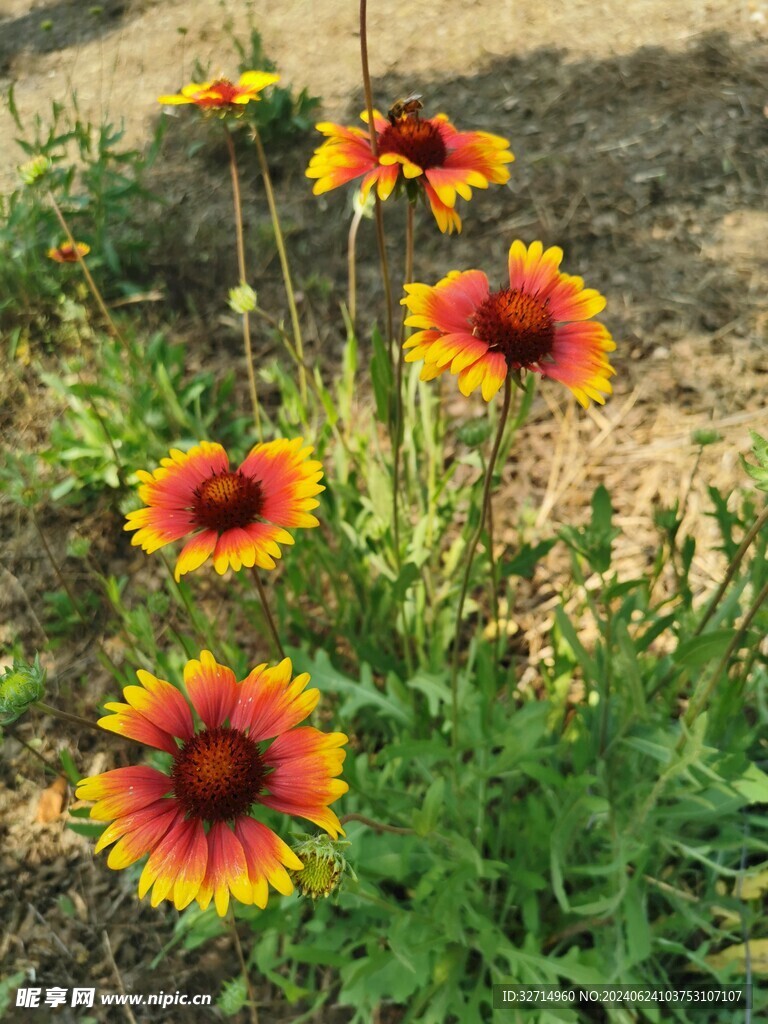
{"type": "Point", "coordinates": [642, 149]}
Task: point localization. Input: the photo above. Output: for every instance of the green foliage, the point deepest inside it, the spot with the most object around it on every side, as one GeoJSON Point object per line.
{"type": "Point", "coordinates": [98, 185]}
{"type": "Point", "coordinates": [280, 116]}
{"type": "Point", "coordinates": [592, 824]}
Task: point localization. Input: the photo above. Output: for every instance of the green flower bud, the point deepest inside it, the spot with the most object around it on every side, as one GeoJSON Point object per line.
{"type": "Point", "coordinates": [324, 866]}
{"type": "Point", "coordinates": [34, 169]}
{"type": "Point", "coordinates": [475, 432]}
{"type": "Point", "coordinates": [20, 686]}
{"type": "Point", "coordinates": [242, 299]}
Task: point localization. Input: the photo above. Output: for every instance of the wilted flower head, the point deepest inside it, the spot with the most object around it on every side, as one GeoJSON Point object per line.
{"type": "Point", "coordinates": [198, 820]}
{"type": "Point", "coordinates": [425, 156]}
{"type": "Point", "coordinates": [540, 323]}
{"type": "Point", "coordinates": [221, 94]}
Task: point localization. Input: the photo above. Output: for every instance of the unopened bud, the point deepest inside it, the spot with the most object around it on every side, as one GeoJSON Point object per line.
{"type": "Point", "coordinates": [34, 169]}
{"type": "Point", "coordinates": [324, 866]}
{"type": "Point", "coordinates": [20, 686]}
{"type": "Point", "coordinates": [242, 299]}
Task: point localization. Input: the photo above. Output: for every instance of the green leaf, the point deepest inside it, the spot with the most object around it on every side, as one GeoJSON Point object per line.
{"type": "Point", "coordinates": [588, 665]}
{"type": "Point", "coordinates": [699, 650]}
{"type": "Point", "coordinates": [426, 818]}
{"type": "Point", "coordinates": [753, 785]}
{"type": "Point", "coordinates": [759, 473]}
{"type": "Point", "coordinates": [527, 558]}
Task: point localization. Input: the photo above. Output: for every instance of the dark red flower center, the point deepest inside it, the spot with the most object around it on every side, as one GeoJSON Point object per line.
{"type": "Point", "coordinates": [418, 141]}
{"type": "Point", "coordinates": [227, 500]}
{"type": "Point", "coordinates": [224, 93]}
{"type": "Point", "coordinates": [516, 324]}
{"type": "Point", "coordinates": [218, 774]}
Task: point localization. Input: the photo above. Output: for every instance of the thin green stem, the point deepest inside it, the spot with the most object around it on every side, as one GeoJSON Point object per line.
{"type": "Point", "coordinates": [253, 1010]}
{"type": "Point", "coordinates": [470, 556]}
{"type": "Point", "coordinates": [377, 825]}
{"type": "Point", "coordinates": [267, 612]}
{"type": "Point", "coordinates": [273, 322]}
{"type": "Point", "coordinates": [756, 527]}
{"type": "Point", "coordinates": [204, 633]}
{"type": "Point", "coordinates": [243, 278]}
{"type": "Point", "coordinates": [703, 692]}
{"type": "Point", "coordinates": [282, 253]}
{"type": "Point", "coordinates": [494, 585]}
{"type": "Point", "coordinates": [380, 239]}
{"type": "Point", "coordinates": [65, 716]}
{"type": "Point", "coordinates": [89, 279]}
{"type": "Point", "coordinates": [352, 266]}
{"type": "Point", "coordinates": [398, 416]}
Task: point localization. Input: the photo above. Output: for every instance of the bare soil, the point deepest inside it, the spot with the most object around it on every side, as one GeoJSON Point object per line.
{"type": "Point", "coordinates": [642, 149]}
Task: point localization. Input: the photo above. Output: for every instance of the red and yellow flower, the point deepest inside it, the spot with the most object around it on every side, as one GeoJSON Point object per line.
{"type": "Point", "coordinates": [237, 516]}
{"type": "Point", "coordinates": [427, 155]}
{"type": "Point", "coordinates": [196, 821]}
{"type": "Point", "coordinates": [221, 94]}
{"type": "Point", "coordinates": [540, 323]}
{"type": "Point", "coordinates": [66, 252]}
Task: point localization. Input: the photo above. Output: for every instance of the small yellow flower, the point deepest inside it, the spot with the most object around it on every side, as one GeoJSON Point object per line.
{"type": "Point", "coordinates": [65, 252]}
{"type": "Point", "coordinates": [221, 94]}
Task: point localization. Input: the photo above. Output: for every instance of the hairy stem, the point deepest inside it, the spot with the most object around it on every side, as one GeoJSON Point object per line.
{"type": "Point", "coordinates": [243, 279]}
{"type": "Point", "coordinates": [471, 554]}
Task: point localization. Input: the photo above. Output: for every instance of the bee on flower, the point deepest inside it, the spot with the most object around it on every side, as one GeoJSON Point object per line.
{"type": "Point", "coordinates": [424, 156]}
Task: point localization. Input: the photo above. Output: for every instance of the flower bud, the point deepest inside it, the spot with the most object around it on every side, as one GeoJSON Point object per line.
{"type": "Point", "coordinates": [20, 686]}
{"type": "Point", "coordinates": [34, 169]}
{"type": "Point", "coordinates": [324, 866]}
{"type": "Point", "coordinates": [242, 299]}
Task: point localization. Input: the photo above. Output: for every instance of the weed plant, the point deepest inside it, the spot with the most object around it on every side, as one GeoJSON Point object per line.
{"type": "Point", "coordinates": [600, 821]}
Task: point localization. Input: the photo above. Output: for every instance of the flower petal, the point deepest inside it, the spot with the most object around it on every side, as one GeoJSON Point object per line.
{"type": "Point", "coordinates": [212, 688]}
{"type": "Point", "coordinates": [269, 703]}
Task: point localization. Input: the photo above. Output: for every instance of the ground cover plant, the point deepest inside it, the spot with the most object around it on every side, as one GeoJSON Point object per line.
{"type": "Point", "coordinates": [328, 540]}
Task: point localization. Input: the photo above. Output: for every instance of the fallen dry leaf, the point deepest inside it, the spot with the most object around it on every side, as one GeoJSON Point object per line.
{"type": "Point", "coordinates": [52, 801]}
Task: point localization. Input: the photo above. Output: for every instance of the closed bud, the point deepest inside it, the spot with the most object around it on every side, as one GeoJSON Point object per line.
{"type": "Point", "coordinates": [242, 299]}
{"type": "Point", "coordinates": [34, 169]}
{"type": "Point", "coordinates": [20, 686]}
{"type": "Point", "coordinates": [324, 866]}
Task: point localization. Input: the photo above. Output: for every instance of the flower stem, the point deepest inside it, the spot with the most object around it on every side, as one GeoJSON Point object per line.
{"type": "Point", "coordinates": [377, 825]}
{"type": "Point", "coordinates": [703, 692]}
{"type": "Point", "coordinates": [65, 716]}
{"type": "Point", "coordinates": [398, 411]}
{"type": "Point", "coordinates": [351, 266]}
{"type": "Point", "coordinates": [253, 1009]}
{"type": "Point", "coordinates": [89, 279]}
{"type": "Point", "coordinates": [281, 251]}
{"type": "Point", "coordinates": [471, 554]}
{"type": "Point", "coordinates": [243, 279]}
{"type": "Point", "coordinates": [754, 530]}
{"type": "Point", "coordinates": [267, 612]}
{"type": "Point", "coordinates": [375, 150]}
